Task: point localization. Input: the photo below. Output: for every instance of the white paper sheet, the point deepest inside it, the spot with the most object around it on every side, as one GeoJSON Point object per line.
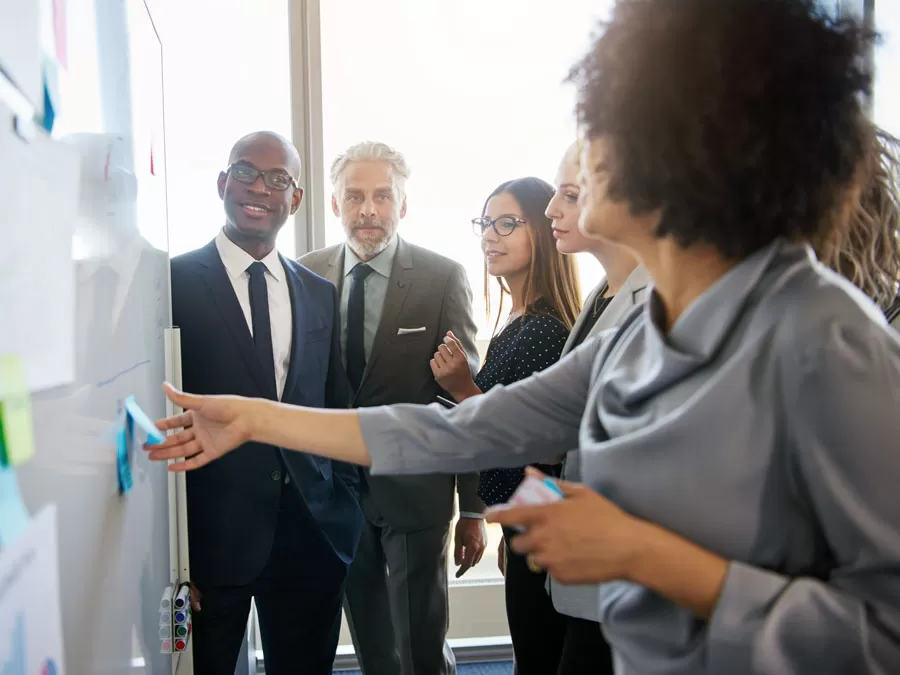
{"type": "Point", "coordinates": [20, 48]}
{"type": "Point", "coordinates": [39, 193]}
{"type": "Point", "coordinates": [30, 622]}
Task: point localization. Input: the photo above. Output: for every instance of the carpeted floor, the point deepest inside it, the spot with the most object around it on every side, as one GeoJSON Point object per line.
{"type": "Point", "coordinates": [493, 668]}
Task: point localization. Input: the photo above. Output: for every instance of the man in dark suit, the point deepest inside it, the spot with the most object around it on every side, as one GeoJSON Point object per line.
{"type": "Point", "coordinates": [397, 303]}
{"type": "Point", "coordinates": [278, 527]}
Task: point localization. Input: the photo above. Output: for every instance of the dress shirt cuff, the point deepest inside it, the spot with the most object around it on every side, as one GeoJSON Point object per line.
{"type": "Point", "coordinates": [379, 434]}
{"type": "Point", "coordinates": [746, 599]}
{"type": "Point", "coordinates": [471, 514]}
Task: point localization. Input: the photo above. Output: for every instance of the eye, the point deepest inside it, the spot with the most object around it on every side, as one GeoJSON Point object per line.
{"type": "Point", "coordinates": [382, 198]}
{"type": "Point", "coordinates": [354, 198]}
{"type": "Point", "coordinates": [572, 197]}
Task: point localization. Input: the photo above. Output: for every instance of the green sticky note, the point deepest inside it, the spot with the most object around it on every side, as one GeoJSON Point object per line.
{"type": "Point", "coordinates": [15, 413]}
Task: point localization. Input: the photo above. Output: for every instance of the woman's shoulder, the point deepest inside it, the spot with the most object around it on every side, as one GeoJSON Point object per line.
{"type": "Point", "coordinates": [542, 317]}
{"type": "Point", "coordinates": [818, 316]}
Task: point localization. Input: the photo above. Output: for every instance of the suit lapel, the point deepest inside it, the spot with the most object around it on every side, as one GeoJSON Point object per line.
{"type": "Point", "coordinates": [625, 299]}
{"type": "Point", "coordinates": [398, 288]}
{"type": "Point", "coordinates": [335, 271]}
{"type": "Point", "coordinates": [299, 300]}
{"type": "Point", "coordinates": [583, 317]}
{"type": "Point", "coordinates": [216, 278]}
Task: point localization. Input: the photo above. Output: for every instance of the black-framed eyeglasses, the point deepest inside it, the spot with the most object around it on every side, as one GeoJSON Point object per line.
{"type": "Point", "coordinates": [503, 226]}
{"type": "Point", "coordinates": [276, 180]}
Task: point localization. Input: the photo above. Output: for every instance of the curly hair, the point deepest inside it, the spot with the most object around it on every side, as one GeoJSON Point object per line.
{"type": "Point", "coordinates": [867, 250]}
{"type": "Point", "coordinates": [740, 120]}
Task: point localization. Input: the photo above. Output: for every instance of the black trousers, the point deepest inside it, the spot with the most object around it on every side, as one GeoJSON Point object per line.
{"type": "Point", "coordinates": [546, 642]}
{"type": "Point", "coordinates": [298, 601]}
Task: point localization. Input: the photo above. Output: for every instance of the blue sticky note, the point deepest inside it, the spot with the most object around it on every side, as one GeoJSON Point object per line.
{"type": "Point", "coordinates": [123, 446]}
{"type": "Point", "coordinates": [13, 515]}
{"type": "Point", "coordinates": [140, 418]}
{"type": "Point", "coordinates": [50, 73]}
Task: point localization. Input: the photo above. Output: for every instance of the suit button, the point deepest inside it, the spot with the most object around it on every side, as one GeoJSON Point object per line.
{"type": "Point", "coordinates": [276, 475]}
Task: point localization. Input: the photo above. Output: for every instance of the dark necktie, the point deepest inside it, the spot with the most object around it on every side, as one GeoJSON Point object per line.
{"type": "Point", "coordinates": [262, 325]}
{"type": "Point", "coordinates": [356, 318]}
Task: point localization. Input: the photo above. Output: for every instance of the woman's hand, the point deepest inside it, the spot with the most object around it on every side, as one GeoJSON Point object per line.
{"type": "Point", "coordinates": [211, 427]}
{"type": "Point", "coordinates": [584, 538]}
{"type": "Point", "coordinates": [450, 367]}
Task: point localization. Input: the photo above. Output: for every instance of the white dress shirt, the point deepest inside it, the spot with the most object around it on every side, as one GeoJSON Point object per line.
{"type": "Point", "coordinates": [236, 261]}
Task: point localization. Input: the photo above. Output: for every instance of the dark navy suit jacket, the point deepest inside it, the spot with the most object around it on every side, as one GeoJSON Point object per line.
{"type": "Point", "coordinates": [233, 502]}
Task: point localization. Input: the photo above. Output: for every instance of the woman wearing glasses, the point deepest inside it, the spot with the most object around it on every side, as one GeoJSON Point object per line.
{"type": "Point", "coordinates": [737, 438]}
{"type": "Point", "coordinates": [542, 286]}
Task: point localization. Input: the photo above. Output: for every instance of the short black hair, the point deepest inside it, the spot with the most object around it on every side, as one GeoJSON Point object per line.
{"type": "Point", "coordinates": [741, 120]}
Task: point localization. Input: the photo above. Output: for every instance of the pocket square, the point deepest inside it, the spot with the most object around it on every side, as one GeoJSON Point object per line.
{"type": "Point", "coordinates": [407, 331]}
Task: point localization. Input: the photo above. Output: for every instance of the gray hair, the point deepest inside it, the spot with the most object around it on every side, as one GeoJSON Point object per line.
{"type": "Point", "coordinates": [372, 151]}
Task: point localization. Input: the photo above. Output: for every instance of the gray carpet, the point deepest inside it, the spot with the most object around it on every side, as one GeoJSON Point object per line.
{"type": "Point", "coordinates": [493, 668]}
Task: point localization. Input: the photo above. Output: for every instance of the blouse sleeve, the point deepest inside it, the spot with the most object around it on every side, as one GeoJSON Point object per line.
{"type": "Point", "coordinates": [843, 402]}
{"type": "Point", "coordinates": [538, 346]}
{"type": "Point", "coordinates": [504, 427]}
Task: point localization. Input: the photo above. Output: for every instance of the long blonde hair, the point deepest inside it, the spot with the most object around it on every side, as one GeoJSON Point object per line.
{"type": "Point", "coordinates": [867, 250]}
{"type": "Point", "coordinates": [551, 275]}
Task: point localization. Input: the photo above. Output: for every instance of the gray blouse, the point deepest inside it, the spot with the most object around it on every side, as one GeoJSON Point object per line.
{"type": "Point", "coordinates": [763, 426]}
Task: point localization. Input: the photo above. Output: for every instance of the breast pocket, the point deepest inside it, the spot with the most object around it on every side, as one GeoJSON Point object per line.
{"type": "Point", "coordinates": [420, 343]}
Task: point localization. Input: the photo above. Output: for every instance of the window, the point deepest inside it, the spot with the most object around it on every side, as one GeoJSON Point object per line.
{"type": "Point", "coordinates": [227, 74]}
{"type": "Point", "coordinates": [473, 94]}
{"type": "Point", "coordinates": [887, 67]}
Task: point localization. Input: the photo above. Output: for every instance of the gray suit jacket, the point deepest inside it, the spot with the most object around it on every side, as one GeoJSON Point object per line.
{"type": "Point", "coordinates": [426, 289]}
{"type": "Point", "coordinates": [633, 292]}
{"type": "Point", "coordinates": [583, 601]}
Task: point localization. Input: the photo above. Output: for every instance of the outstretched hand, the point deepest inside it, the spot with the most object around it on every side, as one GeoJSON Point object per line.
{"type": "Point", "coordinates": [210, 427]}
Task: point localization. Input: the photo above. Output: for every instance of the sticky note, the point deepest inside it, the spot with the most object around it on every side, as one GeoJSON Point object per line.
{"type": "Point", "coordinates": [15, 413]}
{"type": "Point", "coordinates": [140, 418]}
{"type": "Point", "coordinates": [13, 515]}
{"type": "Point", "coordinates": [123, 446]}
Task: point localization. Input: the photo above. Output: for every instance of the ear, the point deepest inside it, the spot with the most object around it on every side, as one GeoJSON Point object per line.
{"type": "Point", "coordinates": [295, 201]}
{"type": "Point", "coordinates": [223, 178]}
{"type": "Point", "coordinates": [334, 206]}
{"type": "Point", "coordinates": [403, 208]}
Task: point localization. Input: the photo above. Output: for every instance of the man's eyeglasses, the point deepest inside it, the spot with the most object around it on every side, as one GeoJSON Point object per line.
{"type": "Point", "coordinates": [503, 226]}
{"type": "Point", "coordinates": [276, 180]}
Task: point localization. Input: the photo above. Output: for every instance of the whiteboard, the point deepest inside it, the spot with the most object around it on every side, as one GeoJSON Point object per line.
{"type": "Point", "coordinates": [114, 549]}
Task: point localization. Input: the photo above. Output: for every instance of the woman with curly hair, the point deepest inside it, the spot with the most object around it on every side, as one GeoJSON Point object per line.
{"type": "Point", "coordinates": [736, 435]}
{"type": "Point", "coordinates": [867, 250]}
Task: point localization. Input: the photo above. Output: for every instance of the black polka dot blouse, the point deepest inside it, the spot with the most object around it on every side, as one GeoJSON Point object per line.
{"type": "Point", "coordinates": [525, 346]}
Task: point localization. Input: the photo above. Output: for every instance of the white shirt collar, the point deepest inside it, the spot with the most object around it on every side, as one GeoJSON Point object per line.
{"type": "Point", "coordinates": [237, 260]}
{"type": "Point", "coordinates": [381, 263]}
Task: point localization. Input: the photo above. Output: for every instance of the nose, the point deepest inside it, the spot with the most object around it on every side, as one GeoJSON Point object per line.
{"type": "Point", "coordinates": [259, 186]}
{"type": "Point", "coordinates": [553, 211]}
{"type": "Point", "coordinates": [368, 207]}
{"type": "Point", "coordinates": [488, 235]}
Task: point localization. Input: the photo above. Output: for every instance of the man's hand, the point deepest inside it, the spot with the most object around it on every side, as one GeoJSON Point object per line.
{"type": "Point", "coordinates": [470, 539]}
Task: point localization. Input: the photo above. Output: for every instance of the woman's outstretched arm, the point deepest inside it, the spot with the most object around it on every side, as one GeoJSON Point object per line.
{"type": "Point", "coordinates": [211, 426]}
{"type": "Point", "coordinates": [508, 426]}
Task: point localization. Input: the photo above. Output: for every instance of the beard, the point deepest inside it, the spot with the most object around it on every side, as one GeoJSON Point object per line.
{"type": "Point", "coordinates": [369, 243]}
